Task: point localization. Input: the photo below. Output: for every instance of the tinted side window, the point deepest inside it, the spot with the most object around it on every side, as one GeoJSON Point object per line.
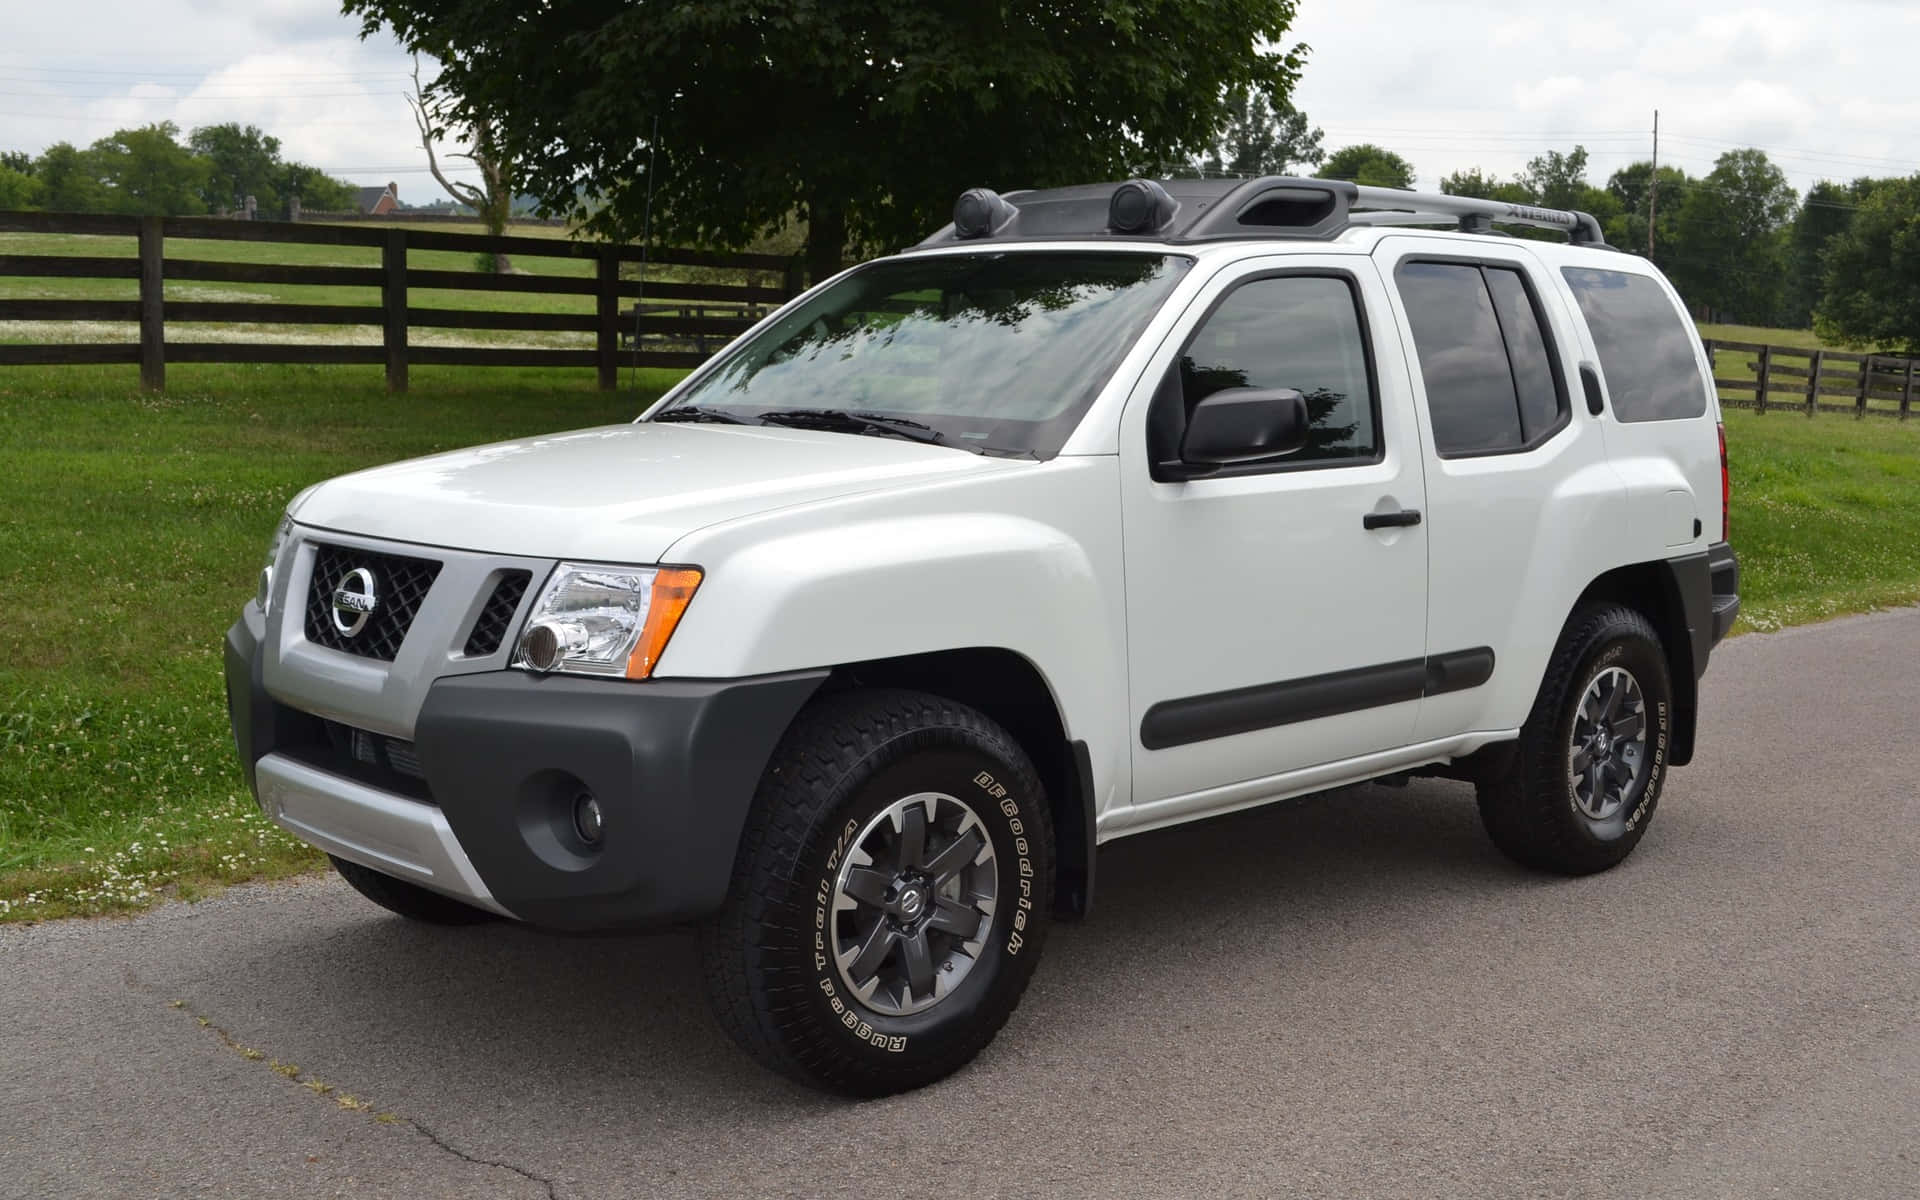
{"type": "Point", "coordinates": [1470, 396]}
{"type": "Point", "coordinates": [1295, 331]}
{"type": "Point", "coordinates": [1541, 402]}
{"type": "Point", "coordinates": [1646, 349]}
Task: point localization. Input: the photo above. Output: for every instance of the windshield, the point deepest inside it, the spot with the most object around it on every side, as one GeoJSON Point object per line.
{"type": "Point", "coordinates": [995, 353]}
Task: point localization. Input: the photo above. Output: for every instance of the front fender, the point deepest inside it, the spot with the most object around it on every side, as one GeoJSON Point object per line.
{"type": "Point", "coordinates": [835, 591]}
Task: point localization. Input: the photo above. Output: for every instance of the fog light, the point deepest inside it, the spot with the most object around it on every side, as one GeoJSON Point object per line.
{"type": "Point", "coordinates": [586, 818]}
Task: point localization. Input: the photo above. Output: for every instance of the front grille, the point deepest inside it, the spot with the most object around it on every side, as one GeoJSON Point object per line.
{"type": "Point", "coordinates": [399, 585]}
{"type": "Point", "coordinates": [491, 628]}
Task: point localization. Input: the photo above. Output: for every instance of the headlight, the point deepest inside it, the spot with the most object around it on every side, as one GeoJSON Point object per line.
{"type": "Point", "coordinates": [264, 596]}
{"type": "Point", "coordinates": [595, 620]}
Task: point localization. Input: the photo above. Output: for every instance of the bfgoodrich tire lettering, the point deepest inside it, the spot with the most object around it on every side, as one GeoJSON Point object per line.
{"type": "Point", "coordinates": [836, 787]}
{"type": "Point", "coordinates": [1592, 757]}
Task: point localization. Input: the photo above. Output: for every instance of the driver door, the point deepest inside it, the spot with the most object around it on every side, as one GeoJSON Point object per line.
{"type": "Point", "coordinates": [1271, 625]}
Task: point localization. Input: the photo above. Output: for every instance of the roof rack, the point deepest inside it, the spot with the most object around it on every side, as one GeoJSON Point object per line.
{"type": "Point", "coordinates": [1200, 210]}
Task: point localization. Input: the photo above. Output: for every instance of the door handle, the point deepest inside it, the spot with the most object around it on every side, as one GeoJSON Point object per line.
{"type": "Point", "coordinates": [1389, 520]}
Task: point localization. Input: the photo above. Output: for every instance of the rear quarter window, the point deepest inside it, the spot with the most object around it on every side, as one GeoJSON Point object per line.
{"type": "Point", "coordinates": [1645, 345]}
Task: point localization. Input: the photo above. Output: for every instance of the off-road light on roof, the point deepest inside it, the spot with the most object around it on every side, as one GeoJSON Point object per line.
{"type": "Point", "coordinates": [1140, 206]}
{"type": "Point", "coordinates": [980, 212]}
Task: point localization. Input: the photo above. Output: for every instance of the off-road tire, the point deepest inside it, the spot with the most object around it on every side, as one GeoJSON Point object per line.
{"type": "Point", "coordinates": [769, 962]}
{"type": "Point", "coordinates": [409, 900]}
{"type": "Point", "coordinates": [1531, 810]}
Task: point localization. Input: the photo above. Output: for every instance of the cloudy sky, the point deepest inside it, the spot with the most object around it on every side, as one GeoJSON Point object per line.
{"type": "Point", "coordinates": [1828, 90]}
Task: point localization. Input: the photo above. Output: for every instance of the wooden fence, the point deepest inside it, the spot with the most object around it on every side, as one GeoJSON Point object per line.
{"type": "Point", "coordinates": [675, 333]}
{"type": "Point", "coordinates": [1792, 378]}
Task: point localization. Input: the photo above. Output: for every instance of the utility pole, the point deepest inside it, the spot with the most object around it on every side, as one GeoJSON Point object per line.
{"type": "Point", "coordinates": [1653, 182]}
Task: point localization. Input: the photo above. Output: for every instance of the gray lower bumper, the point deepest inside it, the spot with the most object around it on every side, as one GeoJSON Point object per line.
{"type": "Point", "coordinates": [391, 834]}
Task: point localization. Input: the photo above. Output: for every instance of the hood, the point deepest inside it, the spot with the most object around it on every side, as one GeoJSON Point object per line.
{"type": "Point", "coordinates": [618, 493]}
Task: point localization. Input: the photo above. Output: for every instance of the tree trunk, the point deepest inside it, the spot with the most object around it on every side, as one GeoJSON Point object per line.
{"type": "Point", "coordinates": [826, 239]}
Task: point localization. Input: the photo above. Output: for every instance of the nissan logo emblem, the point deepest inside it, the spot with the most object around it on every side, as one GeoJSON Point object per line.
{"type": "Point", "coordinates": [354, 601]}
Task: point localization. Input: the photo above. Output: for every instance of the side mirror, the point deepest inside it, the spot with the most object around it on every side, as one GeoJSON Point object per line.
{"type": "Point", "coordinates": [1240, 425]}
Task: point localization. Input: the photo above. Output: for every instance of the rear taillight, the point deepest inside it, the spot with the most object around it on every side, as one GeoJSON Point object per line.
{"type": "Point", "coordinates": [1726, 490]}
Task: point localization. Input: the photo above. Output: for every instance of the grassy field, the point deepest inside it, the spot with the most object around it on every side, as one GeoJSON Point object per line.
{"type": "Point", "coordinates": [134, 526]}
{"type": "Point", "coordinates": [132, 532]}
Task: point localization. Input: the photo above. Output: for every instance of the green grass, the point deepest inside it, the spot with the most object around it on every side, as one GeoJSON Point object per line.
{"type": "Point", "coordinates": [133, 527]}
{"type": "Point", "coordinates": [1823, 515]}
{"type": "Point", "coordinates": [132, 532]}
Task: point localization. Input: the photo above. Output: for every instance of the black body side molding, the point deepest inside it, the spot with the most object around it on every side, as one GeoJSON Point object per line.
{"type": "Point", "coordinates": [1266, 705]}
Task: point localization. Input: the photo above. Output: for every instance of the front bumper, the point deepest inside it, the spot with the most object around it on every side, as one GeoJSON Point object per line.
{"type": "Point", "coordinates": [673, 764]}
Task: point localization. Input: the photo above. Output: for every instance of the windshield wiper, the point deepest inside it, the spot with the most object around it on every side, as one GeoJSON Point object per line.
{"type": "Point", "coordinates": [693, 412]}
{"type": "Point", "coordinates": [841, 421]}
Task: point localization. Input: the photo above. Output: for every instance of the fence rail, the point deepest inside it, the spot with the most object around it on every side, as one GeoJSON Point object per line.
{"type": "Point", "coordinates": [665, 332]}
{"type": "Point", "coordinates": [1796, 379]}
{"type": "Point", "coordinates": [682, 320]}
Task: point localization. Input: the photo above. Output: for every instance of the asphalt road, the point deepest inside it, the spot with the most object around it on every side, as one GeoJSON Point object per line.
{"type": "Point", "coordinates": [1351, 995]}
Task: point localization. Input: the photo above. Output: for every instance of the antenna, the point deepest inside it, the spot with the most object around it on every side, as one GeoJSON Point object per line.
{"type": "Point", "coordinates": [646, 240]}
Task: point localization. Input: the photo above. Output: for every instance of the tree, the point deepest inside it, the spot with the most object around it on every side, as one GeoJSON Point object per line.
{"type": "Point", "coordinates": [17, 160]}
{"type": "Point", "coordinates": [147, 171]}
{"type": "Point", "coordinates": [1872, 271]}
{"type": "Point", "coordinates": [1366, 163]}
{"type": "Point", "coordinates": [241, 162]}
{"type": "Point", "coordinates": [1557, 180]}
{"type": "Point", "coordinates": [316, 189]}
{"type": "Point", "coordinates": [19, 190]}
{"type": "Point", "coordinates": [1262, 140]}
{"type": "Point", "coordinates": [1826, 213]}
{"type": "Point", "coordinates": [493, 198]}
{"type": "Point", "coordinates": [1731, 228]}
{"type": "Point", "coordinates": [71, 179]}
{"type": "Point", "coordinates": [864, 118]}
{"type": "Point", "coordinates": [1480, 185]}
{"type": "Point", "coordinates": [1629, 187]}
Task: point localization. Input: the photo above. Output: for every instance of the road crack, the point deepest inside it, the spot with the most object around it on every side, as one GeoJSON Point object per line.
{"type": "Point", "coordinates": [293, 1074]}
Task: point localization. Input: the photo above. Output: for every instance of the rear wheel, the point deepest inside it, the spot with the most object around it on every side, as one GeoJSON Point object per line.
{"type": "Point", "coordinates": [409, 900]}
{"type": "Point", "coordinates": [890, 896]}
{"type": "Point", "coordinates": [1587, 773]}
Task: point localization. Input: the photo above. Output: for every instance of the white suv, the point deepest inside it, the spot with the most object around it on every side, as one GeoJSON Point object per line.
{"type": "Point", "coordinates": [1103, 509]}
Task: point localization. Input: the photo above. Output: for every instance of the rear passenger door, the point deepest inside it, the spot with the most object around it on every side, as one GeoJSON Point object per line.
{"type": "Point", "coordinates": [1488, 338]}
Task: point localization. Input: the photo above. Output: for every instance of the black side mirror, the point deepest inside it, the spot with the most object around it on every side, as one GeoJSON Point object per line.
{"type": "Point", "coordinates": [1240, 425]}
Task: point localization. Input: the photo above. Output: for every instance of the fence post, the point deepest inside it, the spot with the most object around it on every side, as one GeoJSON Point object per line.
{"type": "Point", "coordinates": [607, 325]}
{"type": "Point", "coordinates": [1760, 385]}
{"type": "Point", "coordinates": [1813, 382]}
{"type": "Point", "coordinates": [1866, 383]}
{"type": "Point", "coordinates": [153, 329]}
{"type": "Point", "coordinates": [1906, 393]}
{"type": "Point", "coordinates": [796, 280]}
{"type": "Point", "coordinates": [393, 306]}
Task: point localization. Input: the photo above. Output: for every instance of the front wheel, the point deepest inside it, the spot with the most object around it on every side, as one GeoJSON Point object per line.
{"type": "Point", "coordinates": [890, 896]}
{"type": "Point", "coordinates": [1586, 775]}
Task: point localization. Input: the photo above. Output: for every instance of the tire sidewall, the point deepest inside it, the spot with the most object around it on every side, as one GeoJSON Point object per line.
{"type": "Point", "coordinates": [1010, 804]}
{"type": "Point", "coordinates": [1616, 644]}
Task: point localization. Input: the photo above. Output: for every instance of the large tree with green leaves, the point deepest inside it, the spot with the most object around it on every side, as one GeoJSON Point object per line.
{"type": "Point", "coordinates": [241, 162]}
{"type": "Point", "coordinates": [19, 189]}
{"type": "Point", "coordinates": [1825, 214]}
{"type": "Point", "coordinates": [1631, 187]}
{"type": "Point", "coordinates": [71, 179]}
{"type": "Point", "coordinates": [148, 171]}
{"type": "Point", "coordinates": [1366, 163]}
{"type": "Point", "coordinates": [1260, 139]}
{"type": "Point", "coordinates": [1872, 271]}
{"type": "Point", "coordinates": [866, 118]}
{"type": "Point", "coordinates": [1731, 231]}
